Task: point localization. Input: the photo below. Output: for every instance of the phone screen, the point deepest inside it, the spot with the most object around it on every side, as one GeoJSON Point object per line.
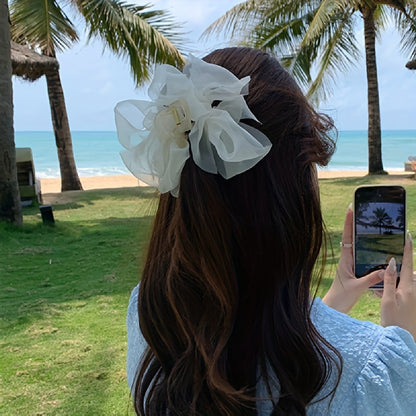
{"type": "Point", "coordinates": [379, 227]}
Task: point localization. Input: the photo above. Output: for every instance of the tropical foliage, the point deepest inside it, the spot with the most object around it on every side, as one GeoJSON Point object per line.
{"type": "Point", "coordinates": [381, 219]}
{"type": "Point", "coordinates": [317, 39]}
{"type": "Point", "coordinates": [133, 32]}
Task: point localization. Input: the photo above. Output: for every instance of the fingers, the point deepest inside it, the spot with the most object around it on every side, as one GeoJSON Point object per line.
{"type": "Point", "coordinates": [390, 277]}
{"type": "Point", "coordinates": [406, 273]}
{"type": "Point", "coordinates": [371, 279]}
{"type": "Point", "coordinates": [378, 293]}
{"type": "Point", "coordinates": [347, 232]}
{"type": "Point", "coordinates": [347, 235]}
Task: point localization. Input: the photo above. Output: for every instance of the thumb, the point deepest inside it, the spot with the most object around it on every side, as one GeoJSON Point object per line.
{"type": "Point", "coordinates": [390, 277]}
{"type": "Point", "coordinates": [371, 279]}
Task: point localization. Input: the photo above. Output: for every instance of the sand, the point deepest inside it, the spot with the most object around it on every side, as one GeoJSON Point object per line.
{"type": "Point", "coordinates": [51, 186]}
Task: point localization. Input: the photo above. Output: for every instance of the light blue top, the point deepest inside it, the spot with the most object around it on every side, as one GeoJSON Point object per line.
{"type": "Point", "coordinates": [379, 373]}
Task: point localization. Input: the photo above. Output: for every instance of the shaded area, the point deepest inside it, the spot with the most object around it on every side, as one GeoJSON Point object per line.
{"type": "Point", "coordinates": [374, 252]}
{"type": "Point", "coordinates": [63, 294]}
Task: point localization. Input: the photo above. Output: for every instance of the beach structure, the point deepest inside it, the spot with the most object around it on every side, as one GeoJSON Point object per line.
{"type": "Point", "coordinates": [30, 65]}
{"type": "Point", "coordinates": [29, 186]}
{"type": "Point", "coordinates": [411, 64]}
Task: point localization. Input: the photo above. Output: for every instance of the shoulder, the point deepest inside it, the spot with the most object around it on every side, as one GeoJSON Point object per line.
{"type": "Point", "coordinates": [379, 364]}
{"type": "Point", "coordinates": [350, 336]}
{"type": "Point", "coordinates": [132, 307]}
{"type": "Point", "coordinates": [136, 344]}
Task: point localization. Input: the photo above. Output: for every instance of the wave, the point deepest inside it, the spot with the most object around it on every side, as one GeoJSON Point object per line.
{"type": "Point", "coordinates": [97, 153]}
{"type": "Point", "coordinates": [84, 172]}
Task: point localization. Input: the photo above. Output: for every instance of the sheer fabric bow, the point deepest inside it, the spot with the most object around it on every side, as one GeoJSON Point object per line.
{"type": "Point", "coordinates": [200, 107]}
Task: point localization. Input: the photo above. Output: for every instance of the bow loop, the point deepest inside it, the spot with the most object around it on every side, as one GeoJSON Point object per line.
{"type": "Point", "coordinates": [204, 103]}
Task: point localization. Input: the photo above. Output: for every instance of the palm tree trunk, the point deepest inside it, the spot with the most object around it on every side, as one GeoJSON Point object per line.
{"type": "Point", "coordinates": [10, 208]}
{"type": "Point", "coordinates": [375, 163]}
{"type": "Point", "coordinates": [69, 175]}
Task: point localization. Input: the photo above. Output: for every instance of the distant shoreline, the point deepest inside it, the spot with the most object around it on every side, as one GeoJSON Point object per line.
{"type": "Point", "coordinates": [350, 155]}
{"type": "Point", "coordinates": [114, 131]}
{"type": "Point", "coordinates": [53, 185]}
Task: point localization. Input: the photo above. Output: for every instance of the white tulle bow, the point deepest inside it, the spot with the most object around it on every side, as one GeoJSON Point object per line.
{"type": "Point", "coordinates": [200, 107]}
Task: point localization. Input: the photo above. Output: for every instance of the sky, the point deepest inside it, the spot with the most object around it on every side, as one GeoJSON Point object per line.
{"type": "Point", "coordinates": [94, 81]}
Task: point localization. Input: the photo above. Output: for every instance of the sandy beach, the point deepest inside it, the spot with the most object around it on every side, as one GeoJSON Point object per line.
{"type": "Point", "coordinates": [51, 187]}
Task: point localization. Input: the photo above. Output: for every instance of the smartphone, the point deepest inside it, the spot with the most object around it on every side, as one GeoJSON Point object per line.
{"type": "Point", "coordinates": [379, 228]}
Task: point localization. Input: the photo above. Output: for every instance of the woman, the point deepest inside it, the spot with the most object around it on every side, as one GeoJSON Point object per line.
{"type": "Point", "coordinates": [228, 325]}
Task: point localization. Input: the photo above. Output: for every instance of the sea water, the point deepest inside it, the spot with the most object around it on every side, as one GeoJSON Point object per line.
{"type": "Point", "coordinates": [97, 153]}
{"type": "Point", "coordinates": [352, 149]}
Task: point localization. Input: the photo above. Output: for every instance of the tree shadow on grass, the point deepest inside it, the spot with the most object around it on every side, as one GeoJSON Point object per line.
{"type": "Point", "coordinates": [63, 280]}
{"type": "Point", "coordinates": [43, 267]}
{"type": "Point", "coordinates": [79, 199]}
{"type": "Point", "coordinates": [371, 180]}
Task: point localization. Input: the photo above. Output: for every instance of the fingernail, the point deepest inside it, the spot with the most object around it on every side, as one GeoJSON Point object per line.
{"type": "Point", "coordinates": [392, 265]}
{"type": "Point", "coordinates": [409, 236]}
{"type": "Point", "coordinates": [349, 207]}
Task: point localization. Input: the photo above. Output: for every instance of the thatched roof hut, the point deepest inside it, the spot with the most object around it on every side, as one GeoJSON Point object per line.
{"type": "Point", "coordinates": [411, 64]}
{"type": "Point", "coordinates": [28, 64]}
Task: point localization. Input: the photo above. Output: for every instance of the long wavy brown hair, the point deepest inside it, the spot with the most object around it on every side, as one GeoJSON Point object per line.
{"type": "Point", "coordinates": [224, 299]}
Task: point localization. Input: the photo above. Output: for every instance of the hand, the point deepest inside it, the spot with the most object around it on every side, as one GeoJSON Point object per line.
{"type": "Point", "coordinates": [346, 289]}
{"type": "Point", "coordinates": [398, 305]}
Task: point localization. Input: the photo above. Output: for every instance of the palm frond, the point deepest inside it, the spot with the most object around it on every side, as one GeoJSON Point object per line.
{"type": "Point", "coordinates": [41, 24]}
{"type": "Point", "coordinates": [317, 22]}
{"type": "Point", "coordinates": [283, 38]}
{"type": "Point", "coordinates": [142, 36]}
{"type": "Point", "coordinates": [302, 34]}
{"type": "Point", "coordinates": [406, 25]}
{"type": "Point", "coordinates": [381, 19]}
{"type": "Point", "coordinates": [322, 16]}
{"type": "Point", "coordinates": [339, 52]}
{"type": "Point", "coordinates": [238, 19]}
{"type": "Point", "coordinates": [399, 5]}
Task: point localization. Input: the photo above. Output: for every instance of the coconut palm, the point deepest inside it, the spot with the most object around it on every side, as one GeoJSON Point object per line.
{"type": "Point", "coordinates": [320, 36]}
{"type": "Point", "coordinates": [134, 32]}
{"type": "Point", "coordinates": [10, 209]}
{"type": "Point", "coordinates": [381, 219]}
{"type": "Point", "coordinates": [401, 217]}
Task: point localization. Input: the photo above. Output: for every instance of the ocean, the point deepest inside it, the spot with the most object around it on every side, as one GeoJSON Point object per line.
{"type": "Point", "coordinates": [97, 153]}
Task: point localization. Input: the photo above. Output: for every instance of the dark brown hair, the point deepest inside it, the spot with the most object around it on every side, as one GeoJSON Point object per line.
{"type": "Point", "coordinates": [224, 298]}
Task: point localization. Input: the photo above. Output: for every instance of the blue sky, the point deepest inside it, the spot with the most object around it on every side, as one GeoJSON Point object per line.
{"type": "Point", "coordinates": [94, 81]}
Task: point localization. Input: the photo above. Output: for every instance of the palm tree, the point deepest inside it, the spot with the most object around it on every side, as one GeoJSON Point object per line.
{"type": "Point", "coordinates": [319, 35]}
{"type": "Point", "coordinates": [142, 36]}
{"type": "Point", "coordinates": [381, 219]}
{"type": "Point", "coordinates": [401, 217]}
{"type": "Point", "coordinates": [10, 209]}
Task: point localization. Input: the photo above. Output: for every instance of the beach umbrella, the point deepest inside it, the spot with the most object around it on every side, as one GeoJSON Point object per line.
{"type": "Point", "coordinates": [411, 64]}
{"type": "Point", "coordinates": [30, 65]}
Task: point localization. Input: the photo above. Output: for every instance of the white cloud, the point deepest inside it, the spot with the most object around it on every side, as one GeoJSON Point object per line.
{"type": "Point", "coordinates": [94, 82]}
{"type": "Point", "coordinates": [198, 14]}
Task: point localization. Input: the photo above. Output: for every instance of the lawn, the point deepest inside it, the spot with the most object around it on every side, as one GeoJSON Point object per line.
{"type": "Point", "coordinates": [64, 290]}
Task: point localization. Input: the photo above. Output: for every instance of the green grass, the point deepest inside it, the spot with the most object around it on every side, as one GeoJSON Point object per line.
{"type": "Point", "coordinates": [64, 290]}
{"type": "Point", "coordinates": [336, 195]}
{"type": "Point", "coordinates": [63, 295]}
